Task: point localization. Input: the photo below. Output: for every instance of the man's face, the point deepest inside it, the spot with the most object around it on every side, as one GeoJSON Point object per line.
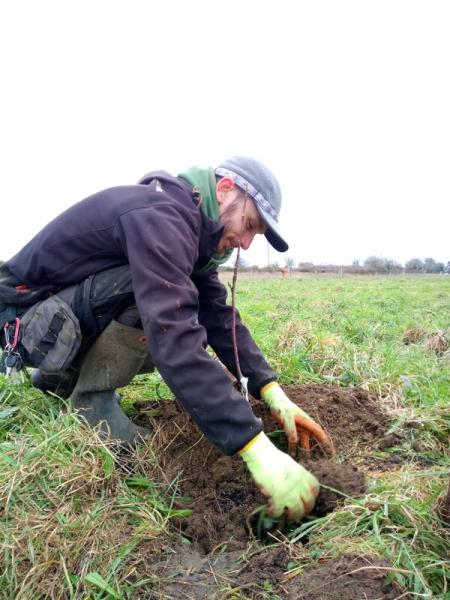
{"type": "Point", "coordinates": [239, 216]}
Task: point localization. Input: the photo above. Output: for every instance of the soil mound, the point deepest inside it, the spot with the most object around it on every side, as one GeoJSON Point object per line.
{"type": "Point", "coordinates": [218, 489]}
{"type": "Point", "coordinates": [352, 416]}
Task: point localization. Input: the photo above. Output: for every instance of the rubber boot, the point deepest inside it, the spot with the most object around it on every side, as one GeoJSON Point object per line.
{"type": "Point", "coordinates": [62, 384]}
{"type": "Point", "coordinates": [115, 357]}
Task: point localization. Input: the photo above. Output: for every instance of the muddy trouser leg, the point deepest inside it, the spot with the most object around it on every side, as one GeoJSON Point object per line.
{"type": "Point", "coordinates": [95, 302]}
{"type": "Point", "coordinates": [100, 299]}
{"type": "Point", "coordinates": [113, 351]}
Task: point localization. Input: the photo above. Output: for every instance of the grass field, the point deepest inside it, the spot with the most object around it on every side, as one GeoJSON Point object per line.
{"type": "Point", "coordinates": [78, 522]}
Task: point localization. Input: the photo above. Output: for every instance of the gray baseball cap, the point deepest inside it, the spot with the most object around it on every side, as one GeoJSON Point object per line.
{"type": "Point", "coordinates": [261, 185]}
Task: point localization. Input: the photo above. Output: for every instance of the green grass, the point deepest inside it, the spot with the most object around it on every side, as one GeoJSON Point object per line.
{"type": "Point", "coordinates": [348, 331]}
{"type": "Point", "coordinates": [72, 514]}
{"type": "Point", "coordinates": [75, 520]}
{"type": "Point", "coordinates": [395, 520]}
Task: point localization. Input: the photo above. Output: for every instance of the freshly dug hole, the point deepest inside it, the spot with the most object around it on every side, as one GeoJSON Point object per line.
{"type": "Point", "coordinates": [218, 488]}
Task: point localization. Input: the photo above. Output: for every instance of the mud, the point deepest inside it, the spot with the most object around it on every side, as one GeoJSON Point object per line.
{"type": "Point", "coordinates": [188, 574]}
{"type": "Point", "coordinates": [220, 552]}
{"type": "Point", "coordinates": [183, 573]}
{"type": "Point", "coordinates": [218, 489]}
{"type": "Point", "coordinates": [352, 416]}
{"type": "Point", "coordinates": [345, 478]}
{"type": "Point", "coordinates": [345, 578]}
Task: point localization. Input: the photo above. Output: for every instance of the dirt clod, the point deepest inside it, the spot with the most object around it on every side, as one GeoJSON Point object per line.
{"type": "Point", "coordinates": [345, 478]}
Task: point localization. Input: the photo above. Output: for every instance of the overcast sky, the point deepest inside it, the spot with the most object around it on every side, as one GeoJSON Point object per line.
{"type": "Point", "coordinates": [347, 102]}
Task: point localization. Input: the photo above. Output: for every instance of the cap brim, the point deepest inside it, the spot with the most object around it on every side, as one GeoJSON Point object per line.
{"type": "Point", "coordinates": [273, 234]}
{"type": "Point", "coordinates": [276, 241]}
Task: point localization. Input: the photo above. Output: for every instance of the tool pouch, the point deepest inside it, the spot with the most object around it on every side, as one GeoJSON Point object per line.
{"type": "Point", "coordinates": [51, 335]}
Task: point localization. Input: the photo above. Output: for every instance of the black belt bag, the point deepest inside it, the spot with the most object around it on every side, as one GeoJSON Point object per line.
{"type": "Point", "coordinates": [51, 335]}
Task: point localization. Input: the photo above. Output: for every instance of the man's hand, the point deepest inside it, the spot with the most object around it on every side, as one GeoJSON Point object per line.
{"type": "Point", "coordinates": [297, 425]}
{"type": "Point", "coordinates": [283, 481]}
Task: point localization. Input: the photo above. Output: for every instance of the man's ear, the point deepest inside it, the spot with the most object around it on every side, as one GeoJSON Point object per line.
{"type": "Point", "coordinates": [223, 188]}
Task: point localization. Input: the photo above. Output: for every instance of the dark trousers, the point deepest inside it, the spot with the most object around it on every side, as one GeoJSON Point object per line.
{"type": "Point", "coordinates": [99, 299]}
{"type": "Point", "coordinates": [95, 302]}
{"type": "Point", "coordinates": [102, 297]}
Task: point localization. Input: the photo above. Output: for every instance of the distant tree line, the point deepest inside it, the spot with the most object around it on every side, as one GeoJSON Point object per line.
{"type": "Point", "coordinates": [372, 264]}
{"type": "Point", "coordinates": [414, 265]}
{"type": "Point", "coordinates": [377, 264]}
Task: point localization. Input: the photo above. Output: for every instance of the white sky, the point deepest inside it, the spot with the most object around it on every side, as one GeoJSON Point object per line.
{"type": "Point", "coordinates": [348, 102]}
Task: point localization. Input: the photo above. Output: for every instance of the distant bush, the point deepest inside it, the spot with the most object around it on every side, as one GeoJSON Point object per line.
{"type": "Point", "coordinates": [377, 264]}
{"type": "Point", "coordinates": [306, 267]}
{"type": "Point", "coordinates": [429, 265]}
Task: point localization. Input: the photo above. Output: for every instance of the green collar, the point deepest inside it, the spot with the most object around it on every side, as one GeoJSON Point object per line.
{"type": "Point", "coordinates": [204, 180]}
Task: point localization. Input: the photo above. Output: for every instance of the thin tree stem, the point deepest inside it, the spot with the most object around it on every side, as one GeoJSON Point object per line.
{"type": "Point", "coordinates": [233, 300]}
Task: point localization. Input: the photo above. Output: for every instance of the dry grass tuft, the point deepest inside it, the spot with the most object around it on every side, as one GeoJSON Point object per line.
{"type": "Point", "coordinates": [413, 335]}
{"type": "Point", "coordinates": [292, 334]}
{"type": "Point", "coordinates": [438, 342]}
{"type": "Point", "coordinates": [443, 506]}
{"type": "Point", "coordinates": [71, 508]}
{"type": "Point", "coordinates": [434, 341]}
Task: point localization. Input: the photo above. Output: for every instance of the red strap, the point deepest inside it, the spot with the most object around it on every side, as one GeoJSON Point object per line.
{"type": "Point", "coordinates": [16, 333]}
{"type": "Point", "coordinates": [10, 347]}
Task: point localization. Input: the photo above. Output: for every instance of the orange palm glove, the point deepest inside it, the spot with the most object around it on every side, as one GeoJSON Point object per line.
{"type": "Point", "coordinates": [298, 425]}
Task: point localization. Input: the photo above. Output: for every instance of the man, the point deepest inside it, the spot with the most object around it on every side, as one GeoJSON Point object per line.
{"type": "Point", "coordinates": [145, 257]}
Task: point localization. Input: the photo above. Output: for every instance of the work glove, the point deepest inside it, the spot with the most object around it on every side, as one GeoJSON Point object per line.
{"type": "Point", "coordinates": [283, 481]}
{"type": "Point", "coordinates": [298, 425]}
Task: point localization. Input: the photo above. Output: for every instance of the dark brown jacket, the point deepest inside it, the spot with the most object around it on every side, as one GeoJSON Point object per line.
{"type": "Point", "coordinates": [157, 228]}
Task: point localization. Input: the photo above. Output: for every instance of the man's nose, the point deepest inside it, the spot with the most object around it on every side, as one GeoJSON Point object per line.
{"type": "Point", "coordinates": [246, 240]}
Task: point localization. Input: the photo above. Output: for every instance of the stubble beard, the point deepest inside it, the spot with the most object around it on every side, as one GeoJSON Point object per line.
{"type": "Point", "coordinates": [226, 218]}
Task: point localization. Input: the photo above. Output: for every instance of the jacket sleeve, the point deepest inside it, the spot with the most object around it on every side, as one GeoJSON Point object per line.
{"type": "Point", "coordinates": [217, 318]}
{"type": "Point", "coordinates": [161, 244]}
